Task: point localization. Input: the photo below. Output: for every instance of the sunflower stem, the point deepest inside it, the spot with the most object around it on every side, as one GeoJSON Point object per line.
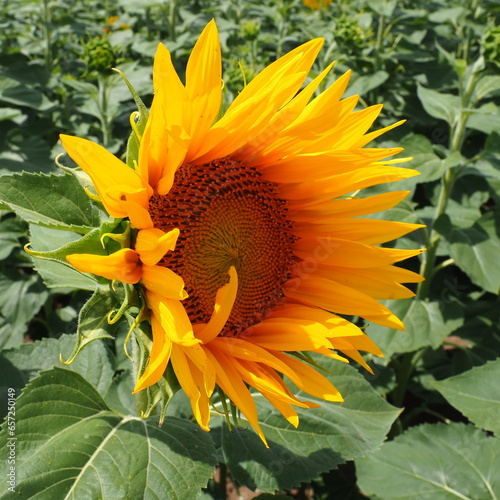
{"type": "Point", "coordinates": [171, 19]}
{"type": "Point", "coordinates": [457, 137]}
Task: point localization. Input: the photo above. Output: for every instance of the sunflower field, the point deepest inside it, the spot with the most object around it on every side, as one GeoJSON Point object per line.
{"type": "Point", "coordinates": [250, 249]}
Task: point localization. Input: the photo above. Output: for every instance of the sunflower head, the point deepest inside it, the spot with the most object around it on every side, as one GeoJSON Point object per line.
{"type": "Point", "coordinates": [248, 244]}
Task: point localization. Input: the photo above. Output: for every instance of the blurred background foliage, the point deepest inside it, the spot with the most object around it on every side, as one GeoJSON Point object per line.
{"type": "Point", "coordinates": [436, 64]}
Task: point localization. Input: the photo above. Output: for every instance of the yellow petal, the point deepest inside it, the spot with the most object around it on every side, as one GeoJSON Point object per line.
{"type": "Point", "coordinates": [191, 380]}
{"type": "Point", "coordinates": [245, 349]}
{"type": "Point", "coordinates": [173, 319]}
{"type": "Point", "coordinates": [369, 231]}
{"type": "Point", "coordinates": [350, 207]}
{"type": "Point", "coordinates": [367, 138]}
{"type": "Point", "coordinates": [332, 296]}
{"type": "Point", "coordinates": [152, 244]}
{"type": "Point", "coordinates": [250, 152]}
{"type": "Point", "coordinates": [164, 282]}
{"type": "Point", "coordinates": [317, 190]}
{"type": "Point", "coordinates": [289, 334]}
{"type": "Point", "coordinates": [169, 119]}
{"type": "Point", "coordinates": [231, 383]}
{"type": "Point", "coordinates": [307, 53]}
{"type": "Point", "coordinates": [344, 253]}
{"type": "Point", "coordinates": [204, 83]}
{"type": "Point", "coordinates": [373, 282]}
{"type": "Point", "coordinates": [108, 173]}
{"type": "Point", "coordinates": [224, 302]}
{"type": "Point", "coordinates": [309, 380]}
{"type": "Point", "coordinates": [159, 357]}
{"type": "Point", "coordinates": [269, 386]}
{"type": "Point", "coordinates": [324, 164]}
{"type": "Point", "coordinates": [122, 265]}
{"type": "Point", "coordinates": [338, 327]}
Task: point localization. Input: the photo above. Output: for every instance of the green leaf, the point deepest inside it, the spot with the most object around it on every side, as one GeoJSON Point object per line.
{"type": "Point", "coordinates": [488, 163]}
{"type": "Point", "coordinates": [326, 436]}
{"type": "Point", "coordinates": [433, 462]}
{"type": "Point", "coordinates": [56, 201]}
{"type": "Point", "coordinates": [10, 113]}
{"type": "Point", "coordinates": [70, 445]}
{"type": "Point", "coordinates": [473, 344]}
{"type": "Point", "coordinates": [14, 92]}
{"type": "Point", "coordinates": [475, 249]}
{"type": "Point", "coordinates": [21, 297]}
{"type": "Point", "coordinates": [485, 119]}
{"type": "Point", "coordinates": [426, 323]}
{"type": "Point", "coordinates": [96, 364]}
{"type": "Point", "coordinates": [441, 106]}
{"type": "Point", "coordinates": [363, 84]}
{"type": "Point", "coordinates": [476, 393]}
{"type": "Point", "coordinates": [11, 230]}
{"type": "Point", "coordinates": [425, 160]}
{"type": "Point", "coordinates": [486, 86]}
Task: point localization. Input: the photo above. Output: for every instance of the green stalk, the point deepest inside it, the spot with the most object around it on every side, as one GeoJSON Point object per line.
{"type": "Point", "coordinates": [47, 35]}
{"type": "Point", "coordinates": [428, 268]}
{"type": "Point", "coordinates": [103, 86]}
{"type": "Point", "coordinates": [171, 20]}
{"type": "Point", "coordinates": [378, 42]}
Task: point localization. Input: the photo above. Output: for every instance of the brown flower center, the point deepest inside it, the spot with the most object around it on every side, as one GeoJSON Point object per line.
{"type": "Point", "coordinates": [227, 216]}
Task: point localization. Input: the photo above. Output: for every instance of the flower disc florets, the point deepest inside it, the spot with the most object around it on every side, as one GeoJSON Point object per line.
{"type": "Point", "coordinates": [228, 215]}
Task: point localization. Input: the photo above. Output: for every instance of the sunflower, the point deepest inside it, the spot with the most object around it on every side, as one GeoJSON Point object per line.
{"type": "Point", "coordinates": [247, 244]}
{"type": "Point", "coordinates": [317, 4]}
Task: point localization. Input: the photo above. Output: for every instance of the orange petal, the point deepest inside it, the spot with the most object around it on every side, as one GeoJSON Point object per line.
{"type": "Point", "coordinates": [122, 265]}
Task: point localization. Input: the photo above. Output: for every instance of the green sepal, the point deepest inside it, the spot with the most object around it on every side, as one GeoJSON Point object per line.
{"type": "Point", "coordinates": [169, 385]}
{"type": "Point", "coordinates": [93, 321]}
{"type": "Point", "coordinates": [89, 243]}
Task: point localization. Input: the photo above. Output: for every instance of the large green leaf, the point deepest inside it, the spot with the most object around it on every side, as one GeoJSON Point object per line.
{"type": "Point", "coordinates": [364, 83]}
{"type": "Point", "coordinates": [426, 323]}
{"type": "Point", "coordinates": [326, 436]}
{"type": "Point", "coordinates": [475, 249]}
{"type": "Point", "coordinates": [486, 119]}
{"type": "Point", "coordinates": [16, 93]}
{"type": "Point", "coordinates": [442, 106]}
{"type": "Point", "coordinates": [425, 160]}
{"type": "Point", "coordinates": [70, 445]}
{"type": "Point", "coordinates": [96, 363]}
{"type": "Point", "coordinates": [434, 462]}
{"type": "Point", "coordinates": [11, 230]}
{"type": "Point", "coordinates": [476, 393]}
{"type": "Point", "coordinates": [21, 297]}
{"type": "Point", "coordinates": [56, 201]}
